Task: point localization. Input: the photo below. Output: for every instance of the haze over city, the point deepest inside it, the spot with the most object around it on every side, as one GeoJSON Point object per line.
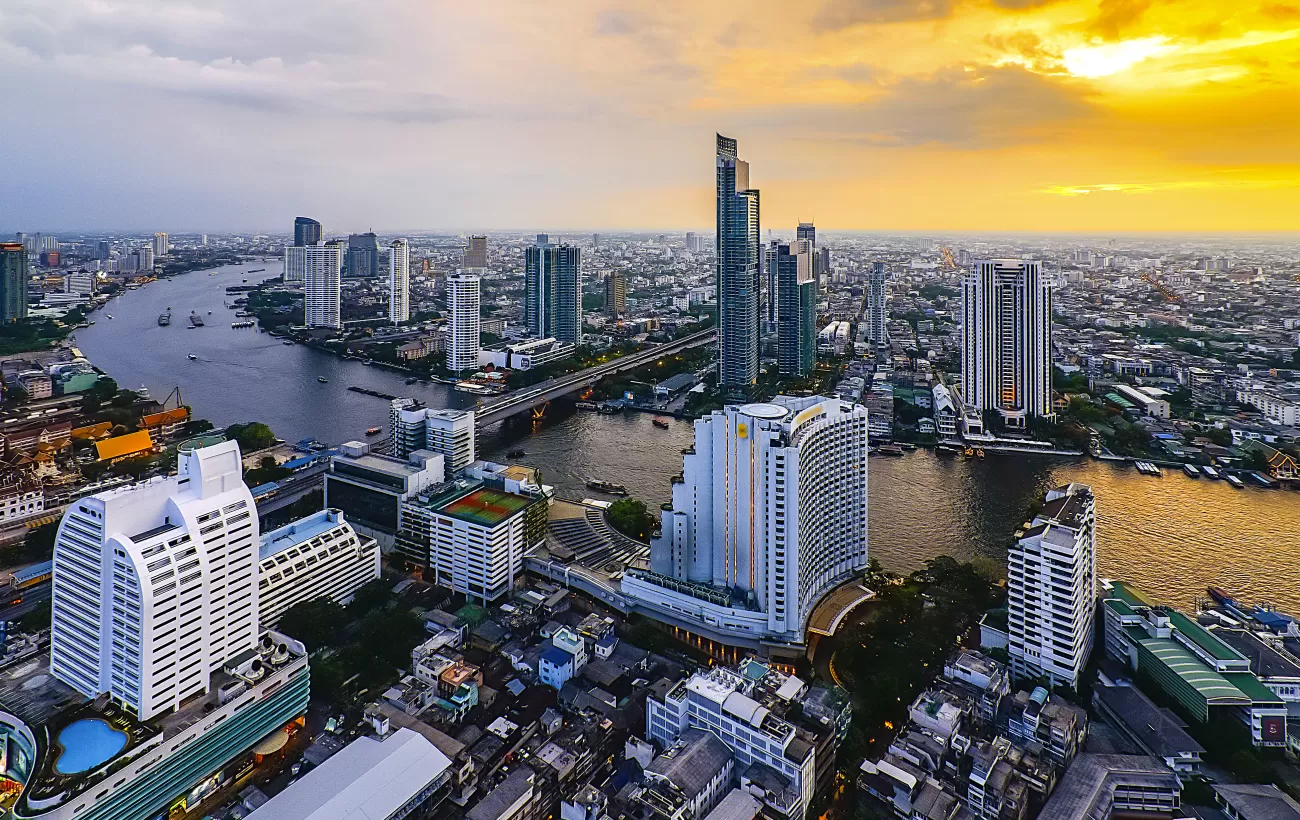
{"type": "Point", "coordinates": [1016, 115]}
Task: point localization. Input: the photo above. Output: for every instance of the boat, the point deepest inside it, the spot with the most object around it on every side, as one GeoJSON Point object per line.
{"type": "Point", "coordinates": [322, 380]}
{"type": "Point", "coordinates": [1262, 480]}
{"type": "Point", "coordinates": [193, 358]}
{"type": "Point", "coordinates": [196, 320]}
{"type": "Point", "coordinates": [662, 424]}
{"type": "Point", "coordinates": [368, 362]}
{"type": "Point", "coordinates": [890, 450]}
{"type": "Point", "coordinates": [607, 487]}
{"type": "Point", "coordinates": [373, 431]}
{"type": "Point", "coordinates": [1191, 471]}
{"type": "Point", "coordinates": [258, 270]}
{"type": "Point", "coordinates": [412, 380]}
{"type": "Point", "coordinates": [164, 319]}
{"type": "Point", "coordinates": [109, 315]}
{"type": "Point", "coordinates": [286, 342]}
{"type": "Point", "coordinates": [476, 389]}
{"type": "Point", "coordinates": [238, 325]}
{"type": "Point", "coordinates": [1210, 471]}
{"type": "Point", "coordinates": [585, 405]}
{"type": "Point", "coordinates": [516, 454]}
{"type": "Point", "coordinates": [1237, 483]}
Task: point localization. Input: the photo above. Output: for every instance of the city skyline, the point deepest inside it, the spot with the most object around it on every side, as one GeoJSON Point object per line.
{"type": "Point", "coordinates": [1066, 115]}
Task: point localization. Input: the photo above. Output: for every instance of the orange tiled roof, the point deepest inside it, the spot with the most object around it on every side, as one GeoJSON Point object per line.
{"type": "Point", "coordinates": [129, 444]}
{"type": "Point", "coordinates": [179, 414]}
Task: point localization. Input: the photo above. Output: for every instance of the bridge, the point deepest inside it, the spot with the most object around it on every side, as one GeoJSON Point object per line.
{"type": "Point", "coordinates": [529, 398]}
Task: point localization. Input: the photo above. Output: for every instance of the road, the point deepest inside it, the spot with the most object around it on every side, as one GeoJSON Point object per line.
{"type": "Point", "coordinates": [521, 401]}
{"type": "Point", "coordinates": [33, 599]}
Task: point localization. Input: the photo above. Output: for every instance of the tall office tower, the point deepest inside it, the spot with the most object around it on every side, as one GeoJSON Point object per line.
{"type": "Point", "coordinates": [32, 242]}
{"type": "Point", "coordinates": [877, 299]}
{"type": "Point", "coordinates": [295, 263]}
{"type": "Point", "coordinates": [738, 281]}
{"type": "Point", "coordinates": [13, 282]}
{"type": "Point", "coordinates": [203, 240]}
{"type": "Point", "coordinates": [323, 284]}
{"type": "Point", "coordinates": [615, 294]}
{"type": "Point", "coordinates": [146, 255]}
{"type": "Point", "coordinates": [770, 515]}
{"type": "Point", "coordinates": [102, 250]}
{"type": "Point", "coordinates": [160, 245]}
{"type": "Point", "coordinates": [769, 303]}
{"type": "Point", "coordinates": [476, 253]}
{"type": "Point", "coordinates": [155, 585]}
{"type": "Point", "coordinates": [692, 241]}
{"type": "Point", "coordinates": [306, 232]}
{"type": "Point", "coordinates": [806, 230]}
{"type": "Point", "coordinates": [595, 240]}
{"type": "Point", "coordinates": [399, 282]}
{"type": "Point", "coordinates": [449, 433]}
{"type": "Point", "coordinates": [543, 239]}
{"type": "Point", "coordinates": [1051, 587]}
{"type": "Point", "coordinates": [1006, 331]}
{"type": "Point", "coordinates": [363, 255]}
{"type": "Point", "coordinates": [20, 237]}
{"type": "Point", "coordinates": [553, 292]}
{"type": "Point", "coordinates": [796, 292]}
{"type": "Point", "coordinates": [824, 264]}
{"type": "Point", "coordinates": [463, 299]}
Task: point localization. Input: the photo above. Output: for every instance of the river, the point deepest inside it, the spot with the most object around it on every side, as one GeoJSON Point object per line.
{"type": "Point", "coordinates": [1173, 536]}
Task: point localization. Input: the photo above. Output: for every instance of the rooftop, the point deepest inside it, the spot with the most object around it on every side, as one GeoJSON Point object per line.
{"type": "Point", "coordinates": [1200, 636]}
{"type": "Point", "coordinates": [1157, 730]}
{"type": "Point", "coordinates": [1265, 661]}
{"type": "Point", "coordinates": [299, 532]}
{"type": "Point", "coordinates": [486, 507]}
{"type": "Point", "coordinates": [692, 762]}
{"type": "Point", "coordinates": [1259, 802]}
{"type": "Point", "coordinates": [499, 800]}
{"type": "Point", "coordinates": [1212, 686]}
{"type": "Point", "coordinates": [1089, 784]}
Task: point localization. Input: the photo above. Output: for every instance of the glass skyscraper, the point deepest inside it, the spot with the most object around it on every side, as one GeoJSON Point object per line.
{"type": "Point", "coordinates": [738, 283]}
{"type": "Point", "coordinates": [553, 291]}
{"type": "Point", "coordinates": [13, 282]}
{"type": "Point", "coordinates": [306, 232]}
{"type": "Point", "coordinates": [796, 349]}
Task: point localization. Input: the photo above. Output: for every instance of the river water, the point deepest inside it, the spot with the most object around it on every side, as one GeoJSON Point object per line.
{"type": "Point", "coordinates": [1173, 536]}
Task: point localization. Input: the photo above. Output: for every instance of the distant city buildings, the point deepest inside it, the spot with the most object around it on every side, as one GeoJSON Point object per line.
{"type": "Point", "coordinates": [877, 299]}
{"type": "Point", "coordinates": [322, 267]}
{"type": "Point", "coordinates": [770, 513]}
{"type": "Point", "coordinates": [160, 245]}
{"type": "Point", "coordinates": [1007, 340]}
{"type": "Point", "coordinates": [615, 294]}
{"type": "Point", "coordinates": [737, 271]}
{"type": "Point", "coordinates": [306, 232]}
{"type": "Point", "coordinates": [399, 282]}
{"type": "Point", "coordinates": [464, 302]}
{"type": "Point", "coordinates": [796, 294]}
{"type": "Point", "coordinates": [476, 253]}
{"type": "Point", "coordinates": [363, 255]}
{"type": "Point", "coordinates": [13, 282]}
{"type": "Point", "coordinates": [1052, 589]}
{"type": "Point", "coordinates": [553, 291]}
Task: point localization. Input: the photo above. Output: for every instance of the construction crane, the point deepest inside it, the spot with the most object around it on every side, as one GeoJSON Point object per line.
{"type": "Point", "coordinates": [1166, 292]}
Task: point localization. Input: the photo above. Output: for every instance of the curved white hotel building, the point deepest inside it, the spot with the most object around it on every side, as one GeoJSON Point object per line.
{"type": "Point", "coordinates": [770, 514]}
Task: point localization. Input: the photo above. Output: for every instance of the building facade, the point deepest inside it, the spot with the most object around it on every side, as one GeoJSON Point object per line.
{"type": "Point", "coordinates": [155, 584]}
{"type": "Point", "coordinates": [399, 282]}
{"type": "Point", "coordinates": [370, 488]}
{"type": "Point", "coordinates": [877, 299]}
{"type": "Point", "coordinates": [770, 514]}
{"type": "Point", "coordinates": [737, 264]}
{"type": "Point", "coordinates": [322, 278]}
{"type": "Point", "coordinates": [13, 282]}
{"type": "Point", "coordinates": [449, 433]}
{"type": "Point", "coordinates": [796, 329]}
{"type": "Point", "coordinates": [1052, 588]}
{"type": "Point", "coordinates": [476, 253]}
{"type": "Point", "coordinates": [160, 245]}
{"type": "Point", "coordinates": [553, 291]}
{"type": "Point", "coordinates": [464, 301]}
{"type": "Point", "coordinates": [306, 232]}
{"type": "Point", "coordinates": [615, 294]}
{"type": "Point", "coordinates": [319, 556]}
{"type": "Point", "coordinates": [1007, 340]}
{"type": "Point", "coordinates": [363, 255]}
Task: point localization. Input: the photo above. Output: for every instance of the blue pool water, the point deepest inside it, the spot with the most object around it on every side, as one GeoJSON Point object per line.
{"type": "Point", "coordinates": [86, 744]}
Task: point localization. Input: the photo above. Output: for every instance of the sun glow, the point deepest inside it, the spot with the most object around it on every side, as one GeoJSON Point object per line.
{"type": "Point", "coordinates": [1112, 58]}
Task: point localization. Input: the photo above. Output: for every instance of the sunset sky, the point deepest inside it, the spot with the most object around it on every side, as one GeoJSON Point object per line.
{"type": "Point", "coordinates": [924, 115]}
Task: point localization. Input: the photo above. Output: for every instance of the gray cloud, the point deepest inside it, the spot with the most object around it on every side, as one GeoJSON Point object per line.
{"type": "Point", "coordinates": [838, 14]}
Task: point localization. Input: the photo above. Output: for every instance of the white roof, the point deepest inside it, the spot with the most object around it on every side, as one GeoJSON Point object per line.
{"type": "Point", "coordinates": [790, 689]}
{"type": "Point", "coordinates": [367, 780]}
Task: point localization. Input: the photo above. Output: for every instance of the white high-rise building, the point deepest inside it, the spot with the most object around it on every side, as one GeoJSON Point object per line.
{"type": "Point", "coordinates": [160, 245]}
{"type": "Point", "coordinates": [314, 557]}
{"type": "Point", "coordinates": [155, 585]}
{"type": "Point", "coordinates": [877, 298]}
{"type": "Point", "coordinates": [295, 263]}
{"type": "Point", "coordinates": [1051, 588]}
{"type": "Point", "coordinates": [399, 282]}
{"type": "Point", "coordinates": [146, 256]}
{"type": "Point", "coordinates": [770, 515]}
{"type": "Point", "coordinates": [323, 284]}
{"type": "Point", "coordinates": [1006, 331]}
{"type": "Point", "coordinates": [463, 297]}
{"type": "Point", "coordinates": [450, 433]}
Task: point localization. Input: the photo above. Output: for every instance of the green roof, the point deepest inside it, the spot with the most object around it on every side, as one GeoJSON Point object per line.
{"type": "Point", "coordinates": [1129, 594]}
{"type": "Point", "coordinates": [1215, 688]}
{"type": "Point", "coordinates": [1120, 606]}
{"type": "Point", "coordinates": [486, 507]}
{"type": "Point", "coordinates": [1252, 688]}
{"type": "Point", "coordinates": [1200, 636]}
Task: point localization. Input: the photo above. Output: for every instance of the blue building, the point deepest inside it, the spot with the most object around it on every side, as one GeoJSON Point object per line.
{"type": "Point", "coordinates": [566, 657]}
{"type": "Point", "coordinates": [553, 291]}
{"type": "Point", "coordinates": [796, 326]}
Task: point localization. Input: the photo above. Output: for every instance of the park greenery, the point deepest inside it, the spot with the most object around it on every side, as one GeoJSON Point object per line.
{"type": "Point", "coordinates": [630, 517]}
{"type": "Point", "coordinates": [34, 333]}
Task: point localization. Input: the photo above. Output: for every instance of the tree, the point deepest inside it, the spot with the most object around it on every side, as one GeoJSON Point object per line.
{"type": "Point", "coordinates": [630, 517]}
{"type": "Point", "coordinates": [371, 596]}
{"type": "Point", "coordinates": [317, 623]}
{"type": "Point", "coordinates": [252, 436]}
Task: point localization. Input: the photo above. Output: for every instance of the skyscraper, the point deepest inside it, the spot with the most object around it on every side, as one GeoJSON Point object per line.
{"type": "Point", "coordinates": [323, 284]}
{"type": "Point", "coordinates": [615, 294]}
{"type": "Point", "coordinates": [295, 263]}
{"type": "Point", "coordinates": [155, 585]}
{"type": "Point", "coordinates": [1051, 588]}
{"type": "Point", "coordinates": [102, 250]}
{"type": "Point", "coordinates": [738, 282]}
{"type": "Point", "coordinates": [806, 230]}
{"type": "Point", "coordinates": [771, 513]}
{"type": "Point", "coordinates": [363, 255]}
{"type": "Point", "coordinates": [553, 291]}
{"type": "Point", "coordinates": [13, 282]}
{"type": "Point", "coordinates": [768, 299]}
{"type": "Point", "coordinates": [1006, 332]}
{"type": "Point", "coordinates": [796, 291]}
{"type": "Point", "coordinates": [463, 299]}
{"type": "Point", "coordinates": [877, 298]}
{"type": "Point", "coordinates": [476, 253]}
{"type": "Point", "coordinates": [399, 282]}
{"type": "Point", "coordinates": [306, 232]}
{"type": "Point", "coordinates": [160, 245]}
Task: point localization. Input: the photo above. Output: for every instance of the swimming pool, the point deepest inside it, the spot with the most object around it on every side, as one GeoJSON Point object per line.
{"type": "Point", "coordinates": [86, 744]}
